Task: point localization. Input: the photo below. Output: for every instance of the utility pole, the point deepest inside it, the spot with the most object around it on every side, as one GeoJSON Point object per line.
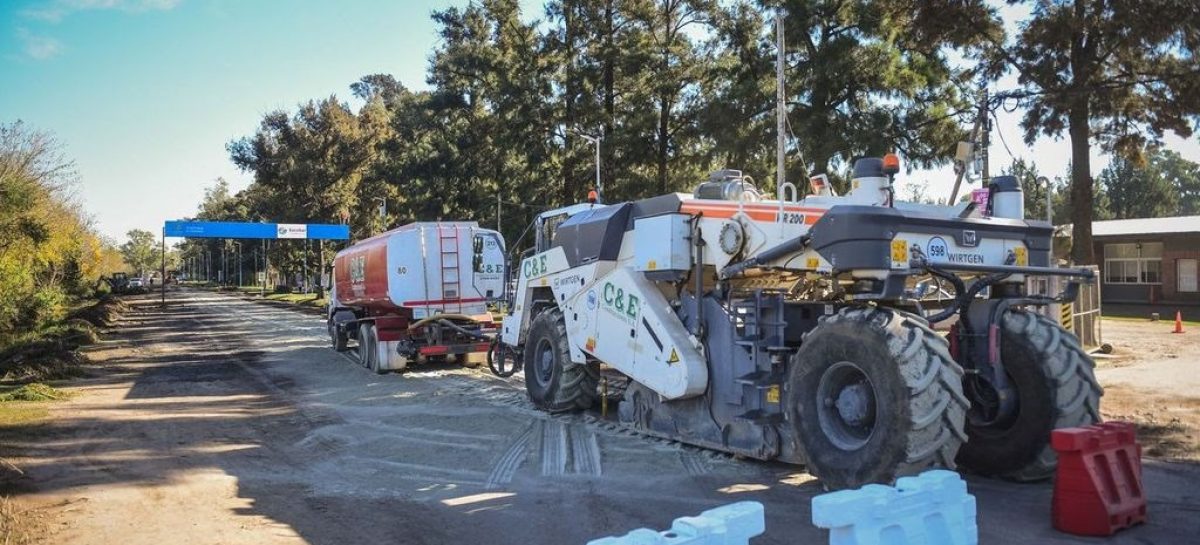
{"type": "Point", "coordinates": [263, 291]}
{"type": "Point", "coordinates": [986, 128]}
{"type": "Point", "coordinates": [780, 106]}
{"type": "Point", "coordinates": [497, 209]}
{"type": "Point", "coordinates": [163, 274]}
{"type": "Point", "coordinates": [239, 260]}
{"type": "Point", "coordinates": [980, 121]}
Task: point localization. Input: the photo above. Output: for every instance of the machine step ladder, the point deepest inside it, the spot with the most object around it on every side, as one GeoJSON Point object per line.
{"type": "Point", "coordinates": [761, 333]}
{"type": "Point", "coordinates": [451, 279]}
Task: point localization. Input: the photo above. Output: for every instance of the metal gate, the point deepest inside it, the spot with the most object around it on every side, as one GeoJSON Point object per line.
{"type": "Point", "coordinates": [1081, 317]}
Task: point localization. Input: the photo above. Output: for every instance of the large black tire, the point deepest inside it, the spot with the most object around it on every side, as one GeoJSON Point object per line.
{"type": "Point", "coordinates": [873, 394]}
{"type": "Point", "coordinates": [373, 362]}
{"type": "Point", "coordinates": [1056, 388]}
{"type": "Point", "coordinates": [366, 344]}
{"type": "Point", "coordinates": [553, 381]}
{"type": "Point", "coordinates": [339, 339]}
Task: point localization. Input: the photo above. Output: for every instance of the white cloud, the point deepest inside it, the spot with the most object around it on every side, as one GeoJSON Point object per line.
{"type": "Point", "coordinates": [54, 11]}
{"type": "Point", "coordinates": [38, 47]}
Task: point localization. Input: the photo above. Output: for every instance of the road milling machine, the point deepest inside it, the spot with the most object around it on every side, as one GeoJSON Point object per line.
{"type": "Point", "coordinates": [804, 330]}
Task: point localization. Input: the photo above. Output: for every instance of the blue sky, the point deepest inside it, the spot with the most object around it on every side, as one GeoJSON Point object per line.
{"type": "Point", "coordinates": [144, 94]}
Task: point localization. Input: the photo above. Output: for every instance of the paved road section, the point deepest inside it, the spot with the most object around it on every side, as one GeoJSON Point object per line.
{"type": "Point", "coordinates": [219, 420]}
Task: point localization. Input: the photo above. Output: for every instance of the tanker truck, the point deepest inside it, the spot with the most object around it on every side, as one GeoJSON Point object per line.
{"type": "Point", "coordinates": [791, 329]}
{"type": "Point", "coordinates": [417, 292]}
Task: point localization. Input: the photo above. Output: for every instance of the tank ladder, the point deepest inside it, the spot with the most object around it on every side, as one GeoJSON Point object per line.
{"type": "Point", "coordinates": [451, 277]}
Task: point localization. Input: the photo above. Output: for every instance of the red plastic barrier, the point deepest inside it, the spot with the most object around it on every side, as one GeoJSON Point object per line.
{"type": "Point", "coordinates": [1098, 489]}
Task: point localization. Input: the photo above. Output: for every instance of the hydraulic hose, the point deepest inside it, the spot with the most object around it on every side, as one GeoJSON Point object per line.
{"type": "Point", "coordinates": [766, 256]}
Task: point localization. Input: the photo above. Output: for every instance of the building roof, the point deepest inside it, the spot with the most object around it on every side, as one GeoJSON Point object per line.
{"type": "Point", "coordinates": [1146, 226]}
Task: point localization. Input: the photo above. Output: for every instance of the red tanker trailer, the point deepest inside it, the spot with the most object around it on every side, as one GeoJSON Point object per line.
{"type": "Point", "coordinates": [418, 290]}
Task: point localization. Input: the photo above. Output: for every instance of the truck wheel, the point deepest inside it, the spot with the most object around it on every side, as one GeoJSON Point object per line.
{"type": "Point", "coordinates": [1055, 388]}
{"type": "Point", "coordinates": [366, 344]}
{"type": "Point", "coordinates": [553, 381]}
{"type": "Point", "coordinates": [339, 339]}
{"type": "Point", "coordinates": [873, 395]}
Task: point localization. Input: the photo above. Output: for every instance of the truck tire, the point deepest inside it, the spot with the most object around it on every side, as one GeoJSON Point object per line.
{"type": "Point", "coordinates": [873, 394]}
{"type": "Point", "coordinates": [366, 344]}
{"type": "Point", "coordinates": [339, 339]}
{"type": "Point", "coordinates": [1056, 388]}
{"type": "Point", "coordinates": [553, 381]}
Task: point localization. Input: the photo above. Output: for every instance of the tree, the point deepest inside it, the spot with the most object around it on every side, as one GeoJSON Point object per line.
{"type": "Point", "coordinates": [856, 84]}
{"type": "Point", "coordinates": [48, 249]}
{"type": "Point", "coordinates": [1137, 191]}
{"type": "Point", "coordinates": [1183, 176]}
{"type": "Point", "coordinates": [1118, 72]}
{"type": "Point", "coordinates": [140, 251]}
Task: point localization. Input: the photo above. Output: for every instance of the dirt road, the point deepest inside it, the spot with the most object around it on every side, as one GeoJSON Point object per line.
{"type": "Point", "coordinates": [1153, 379]}
{"type": "Point", "coordinates": [222, 421]}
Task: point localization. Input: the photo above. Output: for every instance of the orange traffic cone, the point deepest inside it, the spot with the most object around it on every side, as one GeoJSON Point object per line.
{"type": "Point", "coordinates": [1178, 322]}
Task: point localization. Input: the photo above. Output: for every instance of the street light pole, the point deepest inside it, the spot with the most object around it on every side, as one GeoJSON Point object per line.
{"type": "Point", "coordinates": [239, 260]}
{"type": "Point", "coordinates": [595, 141]}
{"type": "Point", "coordinates": [1049, 205]}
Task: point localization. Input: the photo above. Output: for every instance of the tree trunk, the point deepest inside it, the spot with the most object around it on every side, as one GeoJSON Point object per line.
{"type": "Point", "coordinates": [664, 120]}
{"type": "Point", "coordinates": [1082, 193]}
{"type": "Point", "coordinates": [569, 194]}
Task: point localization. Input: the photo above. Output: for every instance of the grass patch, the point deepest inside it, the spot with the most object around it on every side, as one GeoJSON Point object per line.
{"type": "Point", "coordinates": [309, 299]}
{"type": "Point", "coordinates": [18, 414]}
{"type": "Point", "coordinates": [33, 392]}
{"type": "Point", "coordinates": [19, 526]}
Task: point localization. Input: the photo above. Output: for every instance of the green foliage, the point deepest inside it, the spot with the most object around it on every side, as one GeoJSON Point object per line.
{"type": "Point", "coordinates": [1117, 72]}
{"type": "Point", "coordinates": [140, 251]}
{"type": "Point", "coordinates": [677, 88]}
{"type": "Point", "coordinates": [1183, 175]}
{"type": "Point", "coordinates": [1165, 185]}
{"type": "Point", "coordinates": [48, 250]}
{"type": "Point", "coordinates": [33, 392]}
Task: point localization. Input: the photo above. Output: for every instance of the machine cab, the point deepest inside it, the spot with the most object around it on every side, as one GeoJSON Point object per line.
{"type": "Point", "coordinates": [546, 223]}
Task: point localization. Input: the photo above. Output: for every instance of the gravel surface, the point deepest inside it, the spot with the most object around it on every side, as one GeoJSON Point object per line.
{"type": "Point", "coordinates": [219, 420]}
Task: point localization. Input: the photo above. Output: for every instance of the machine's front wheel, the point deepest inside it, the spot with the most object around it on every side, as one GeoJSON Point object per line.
{"type": "Point", "coordinates": [554, 382]}
{"type": "Point", "coordinates": [873, 395]}
{"type": "Point", "coordinates": [1055, 388]}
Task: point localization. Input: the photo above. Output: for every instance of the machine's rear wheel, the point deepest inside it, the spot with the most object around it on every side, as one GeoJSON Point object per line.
{"type": "Point", "coordinates": [873, 395]}
{"type": "Point", "coordinates": [1055, 388]}
{"type": "Point", "coordinates": [553, 381]}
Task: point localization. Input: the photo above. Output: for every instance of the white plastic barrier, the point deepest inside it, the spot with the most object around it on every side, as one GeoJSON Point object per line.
{"type": "Point", "coordinates": [732, 524]}
{"type": "Point", "coordinates": [932, 508]}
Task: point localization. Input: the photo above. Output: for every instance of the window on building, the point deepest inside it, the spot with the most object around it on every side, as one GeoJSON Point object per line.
{"type": "Point", "coordinates": [1133, 263]}
{"type": "Point", "coordinates": [1187, 275]}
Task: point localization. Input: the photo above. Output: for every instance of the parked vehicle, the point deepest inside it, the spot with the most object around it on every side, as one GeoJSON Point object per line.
{"type": "Point", "coordinates": [786, 329]}
{"type": "Point", "coordinates": [421, 290]}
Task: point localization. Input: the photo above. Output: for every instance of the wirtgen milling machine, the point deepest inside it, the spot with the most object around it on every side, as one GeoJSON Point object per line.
{"type": "Point", "coordinates": [802, 330]}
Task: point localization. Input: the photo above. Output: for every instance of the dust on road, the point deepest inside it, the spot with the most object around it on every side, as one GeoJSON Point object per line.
{"type": "Point", "coordinates": [221, 421]}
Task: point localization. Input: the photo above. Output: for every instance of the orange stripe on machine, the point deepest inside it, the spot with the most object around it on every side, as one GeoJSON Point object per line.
{"type": "Point", "coordinates": [756, 212]}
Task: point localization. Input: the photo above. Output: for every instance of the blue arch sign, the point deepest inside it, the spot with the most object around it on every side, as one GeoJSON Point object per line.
{"type": "Point", "coordinates": [228, 229]}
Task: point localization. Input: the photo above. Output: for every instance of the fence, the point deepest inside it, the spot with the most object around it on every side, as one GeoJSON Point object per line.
{"type": "Point", "coordinates": [1081, 317]}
